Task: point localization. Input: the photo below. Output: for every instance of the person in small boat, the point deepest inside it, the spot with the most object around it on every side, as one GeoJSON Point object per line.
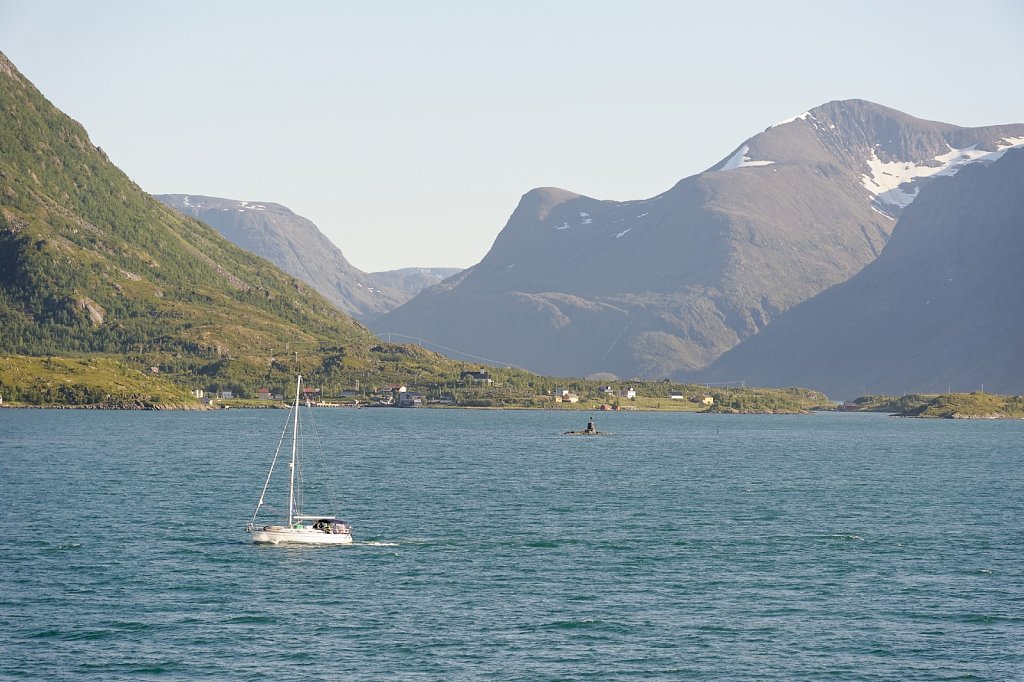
{"type": "Point", "coordinates": [590, 426]}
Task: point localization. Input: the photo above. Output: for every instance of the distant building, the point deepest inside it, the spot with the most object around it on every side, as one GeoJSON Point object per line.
{"type": "Point", "coordinates": [199, 393]}
{"type": "Point", "coordinates": [628, 393]}
{"type": "Point", "coordinates": [567, 397]}
{"type": "Point", "coordinates": [408, 399]}
{"type": "Point", "coordinates": [607, 390]}
{"type": "Point", "coordinates": [226, 395]}
{"type": "Point", "coordinates": [677, 395]}
{"type": "Point", "coordinates": [263, 393]}
{"type": "Point", "coordinates": [154, 370]}
{"type": "Point", "coordinates": [703, 399]}
{"type": "Point", "coordinates": [481, 377]}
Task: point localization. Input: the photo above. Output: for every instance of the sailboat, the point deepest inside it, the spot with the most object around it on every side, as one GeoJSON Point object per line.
{"type": "Point", "coordinates": [300, 528]}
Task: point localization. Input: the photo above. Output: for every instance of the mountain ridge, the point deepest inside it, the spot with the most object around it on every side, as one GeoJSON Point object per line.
{"type": "Point", "coordinates": [297, 246]}
{"type": "Point", "coordinates": [660, 287]}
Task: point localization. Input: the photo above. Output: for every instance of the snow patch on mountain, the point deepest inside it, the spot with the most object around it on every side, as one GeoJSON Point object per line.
{"type": "Point", "coordinates": [741, 160]}
{"type": "Point", "coordinates": [798, 117]}
{"type": "Point", "coordinates": [884, 180]}
{"type": "Point", "coordinates": [617, 236]}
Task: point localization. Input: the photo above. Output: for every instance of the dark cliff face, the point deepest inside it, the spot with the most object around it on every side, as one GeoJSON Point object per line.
{"type": "Point", "coordinates": [663, 286]}
{"type": "Point", "coordinates": [940, 308]}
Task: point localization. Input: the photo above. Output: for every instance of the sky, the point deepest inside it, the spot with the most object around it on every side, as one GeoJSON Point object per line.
{"type": "Point", "coordinates": [408, 131]}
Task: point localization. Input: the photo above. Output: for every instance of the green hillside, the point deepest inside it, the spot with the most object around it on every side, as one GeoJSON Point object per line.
{"type": "Point", "coordinates": [92, 265]}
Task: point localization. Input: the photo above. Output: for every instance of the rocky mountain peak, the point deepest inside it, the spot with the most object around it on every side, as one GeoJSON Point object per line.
{"type": "Point", "coordinates": [662, 286]}
{"type": "Point", "coordinates": [538, 203]}
{"type": "Point", "coordinates": [890, 154]}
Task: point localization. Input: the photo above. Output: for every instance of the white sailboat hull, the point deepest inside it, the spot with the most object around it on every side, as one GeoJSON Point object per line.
{"type": "Point", "coordinates": [275, 535]}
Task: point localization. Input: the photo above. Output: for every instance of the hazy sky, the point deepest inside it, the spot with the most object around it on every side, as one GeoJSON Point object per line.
{"type": "Point", "coordinates": [407, 131]}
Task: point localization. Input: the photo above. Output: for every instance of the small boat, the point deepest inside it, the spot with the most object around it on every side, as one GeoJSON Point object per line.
{"type": "Point", "coordinates": [305, 529]}
{"type": "Point", "coordinates": [591, 430]}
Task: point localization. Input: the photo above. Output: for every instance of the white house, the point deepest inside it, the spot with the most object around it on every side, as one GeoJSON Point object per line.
{"type": "Point", "coordinates": [628, 393]}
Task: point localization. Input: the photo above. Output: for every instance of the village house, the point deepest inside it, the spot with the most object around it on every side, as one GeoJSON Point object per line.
{"type": "Point", "coordinates": [628, 393]}
{"type": "Point", "coordinates": [409, 399]}
{"type": "Point", "coordinates": [703, 399]}
{"type": "Point", "coordinates": [389, 395]}
{"type": "Point", "coordinates": [567, 397]}
{"type": "Point", "coordinates": [263, 393]}
{"type": "Point", "coordinates": [607, 390]}
{"type": "Point", "coordinates": [226, 395]}
{"type": "Point", "coordinates": [677, 395]}
{"type": "Point", "coordinates": [481, 377]}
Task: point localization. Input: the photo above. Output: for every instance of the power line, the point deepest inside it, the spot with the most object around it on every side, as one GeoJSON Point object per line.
{"type": "Point", "coordinates": [420, 341]}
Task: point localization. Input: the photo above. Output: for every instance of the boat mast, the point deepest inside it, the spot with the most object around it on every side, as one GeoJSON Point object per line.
{"type": "Point", "coordinates": [295, 433]}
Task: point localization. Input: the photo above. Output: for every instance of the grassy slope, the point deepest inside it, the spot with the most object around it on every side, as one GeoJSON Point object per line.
{"type": "Point", "coordinates": [946, 406]}
{"type": "Point", "coordinates": [94, 381]}
{"type": "Point", "coordinates": [92, 265]}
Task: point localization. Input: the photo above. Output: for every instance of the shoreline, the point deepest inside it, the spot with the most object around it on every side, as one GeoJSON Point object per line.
{"type": "Point", "coordinates": [517, 408]}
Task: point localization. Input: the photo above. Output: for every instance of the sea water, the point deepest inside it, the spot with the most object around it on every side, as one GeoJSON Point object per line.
{"type": "Point", "coordinates": [489, 545]}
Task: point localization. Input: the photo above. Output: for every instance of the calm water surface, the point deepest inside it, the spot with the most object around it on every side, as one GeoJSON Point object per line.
{"type": "Point", "coordinates": [487, 545]}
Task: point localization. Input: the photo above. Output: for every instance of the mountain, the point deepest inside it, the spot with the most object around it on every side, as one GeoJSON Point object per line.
{"type": "Point", "coordinates": [939, 310]}
{"type": "Point", "coordinates": [297, 246]}
{"type": "Point", "coordinates": [91, 264]}
{"type": "Point", "coordinates": [413, 280]}
{"type": "Point", "coordinates": [661, 287]}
